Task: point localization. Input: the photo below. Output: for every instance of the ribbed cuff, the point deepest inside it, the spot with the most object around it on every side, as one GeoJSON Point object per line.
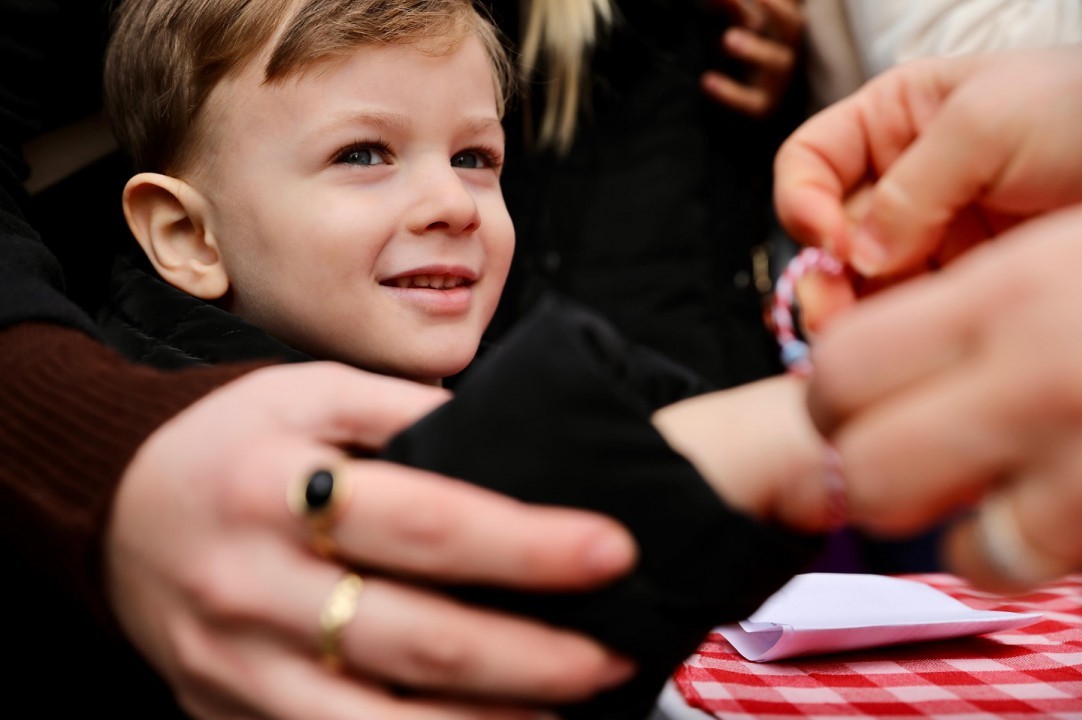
{"type": "Point", "coordinates": [72, 415]}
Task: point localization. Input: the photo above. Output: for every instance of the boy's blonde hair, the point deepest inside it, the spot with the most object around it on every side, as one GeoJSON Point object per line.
{"type": "Point", "coordinates": [165, 56]}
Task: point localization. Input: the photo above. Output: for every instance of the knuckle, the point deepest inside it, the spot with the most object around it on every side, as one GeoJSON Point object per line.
{"type": "Point", "coordinates": [451, 660]}
{"type": "Point", "coordinates": [218, 590]}
{"type": "Point", "coordinates": [428, 526]}
{"type": "Point", "coordinates": [893, 199]}
{"type": "Point", "coordinates": [241, 486]}
{"type": "Point", "coordinates": [758, 105]}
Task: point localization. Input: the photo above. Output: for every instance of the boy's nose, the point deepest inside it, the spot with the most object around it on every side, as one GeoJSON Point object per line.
{"type": "Point", "coordinates": [444, 203]}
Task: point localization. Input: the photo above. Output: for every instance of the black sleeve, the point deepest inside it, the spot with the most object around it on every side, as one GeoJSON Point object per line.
{"type": "Point", "coordinates": [31, 284]}
{"type": "Point", "coordinates": [559, 414]}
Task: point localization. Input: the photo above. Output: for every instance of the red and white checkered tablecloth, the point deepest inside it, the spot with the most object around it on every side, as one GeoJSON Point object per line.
{"type": "Point", "coordinates": [1031, 672]}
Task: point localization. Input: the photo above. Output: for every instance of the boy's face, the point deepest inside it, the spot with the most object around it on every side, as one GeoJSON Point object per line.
{"type": "Point", "coordinates": [358, 208]}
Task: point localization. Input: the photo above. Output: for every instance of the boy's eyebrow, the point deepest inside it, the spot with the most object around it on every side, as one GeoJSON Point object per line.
{"type": "Point", "coordinates": [484, 124]}
{"type": "Point", "coordinates": [389, 120]}
{"type": "Point", "coordinates": [380, 119]}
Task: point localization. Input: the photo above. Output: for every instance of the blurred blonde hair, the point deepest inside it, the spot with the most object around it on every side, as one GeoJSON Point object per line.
{"type": "Point", "coordinates": [561, 33]}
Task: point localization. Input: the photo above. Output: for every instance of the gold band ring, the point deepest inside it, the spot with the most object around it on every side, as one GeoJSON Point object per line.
{"type": "Point", "coordinates": [338, 610]}
{"type": "Point", "coordinates": [320, 498]}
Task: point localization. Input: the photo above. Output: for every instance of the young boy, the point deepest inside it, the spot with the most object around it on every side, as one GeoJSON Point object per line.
{"type": "Point", "coordinates": [321, 180]}
{"type": "Point", "coordinates": [333, 179]}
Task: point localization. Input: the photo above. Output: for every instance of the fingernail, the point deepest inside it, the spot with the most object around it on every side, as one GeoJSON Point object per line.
{"type": "Point", "coordinates": [869, 254]}
{"type": "Point", "coordinates": [736, 38]}
{"type": "Point", "coordinates": [610, 553]}
{"type": "Point", "coordinates": [618, 671]}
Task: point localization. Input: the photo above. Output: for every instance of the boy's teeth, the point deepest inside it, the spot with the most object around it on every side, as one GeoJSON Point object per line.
{"type": "Point", "coordinates": [436, 282]}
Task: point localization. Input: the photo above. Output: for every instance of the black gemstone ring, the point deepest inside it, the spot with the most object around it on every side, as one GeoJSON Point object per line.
{"type": "Point", "coordinates": [320, 499]}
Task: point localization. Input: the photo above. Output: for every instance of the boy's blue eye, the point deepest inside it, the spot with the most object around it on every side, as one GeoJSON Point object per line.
{"type": "Point", "coordinates": [473, 160]}
{"type": "Point", "coordinates": [363, 155]}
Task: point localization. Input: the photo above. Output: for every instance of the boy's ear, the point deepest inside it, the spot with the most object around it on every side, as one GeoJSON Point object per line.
{"type": "Point", "coordinates": [168, 217]}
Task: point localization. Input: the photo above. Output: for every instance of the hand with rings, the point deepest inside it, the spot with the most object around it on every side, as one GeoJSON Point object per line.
{"type": "Point", "coordinates": [765, 36]}
{"type": "Point", "coordinates": [263, 572]}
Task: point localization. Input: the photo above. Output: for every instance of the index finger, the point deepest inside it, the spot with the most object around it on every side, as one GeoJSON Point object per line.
{"type": "Point", "coordinates": [814, 170]}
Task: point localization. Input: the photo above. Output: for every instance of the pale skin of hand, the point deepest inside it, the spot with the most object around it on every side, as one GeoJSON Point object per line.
{"type": "Point", "coordinates": [765, 36]}
{"type": "Point", "coordinates": [757, 447]}
{"type": "Point", "coordinates": [215, 581]}
{"type": "Point", "coordinates": [961, 383]}
{"type": "Point", "coordinates": [932, 158]}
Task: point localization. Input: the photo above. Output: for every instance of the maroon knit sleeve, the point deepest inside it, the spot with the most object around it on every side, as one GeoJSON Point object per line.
{"type": "Point", "coordinates": [72, 415]}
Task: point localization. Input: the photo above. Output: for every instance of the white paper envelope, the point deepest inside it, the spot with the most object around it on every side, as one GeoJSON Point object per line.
{"type": "Point", "coordinates": [818, 613]}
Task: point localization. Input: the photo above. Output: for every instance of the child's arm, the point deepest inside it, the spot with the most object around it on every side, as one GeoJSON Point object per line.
{"type": "Point", "coordinates": [756, 446]}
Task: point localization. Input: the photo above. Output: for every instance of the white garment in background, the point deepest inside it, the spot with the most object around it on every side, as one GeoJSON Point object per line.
{"type": "Point", "coordinates": [875, 35]}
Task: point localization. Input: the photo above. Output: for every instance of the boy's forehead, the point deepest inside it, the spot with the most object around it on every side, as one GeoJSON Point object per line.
{"type": "Point", "coordinates": [433, 41]}
{"type": "Point", "coordinates": [242, 95]}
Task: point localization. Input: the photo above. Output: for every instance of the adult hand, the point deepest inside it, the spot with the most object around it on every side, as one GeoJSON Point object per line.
{"type": "Point", "coordinates": [934, 156]}
{"type": "Point", "coordinates": [217, 583]}
{"type": "Point", "coordinates": [765, 35]}
{"type": "Point", "coordinates": [963, 384]}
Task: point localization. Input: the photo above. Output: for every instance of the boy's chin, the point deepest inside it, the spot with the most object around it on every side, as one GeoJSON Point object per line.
{"type": "Point", "coordinates": [434, 371]}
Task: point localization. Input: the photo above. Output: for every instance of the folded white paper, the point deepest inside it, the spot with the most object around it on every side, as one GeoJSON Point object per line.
{"type": "Point", "coordinates": [818, 613]}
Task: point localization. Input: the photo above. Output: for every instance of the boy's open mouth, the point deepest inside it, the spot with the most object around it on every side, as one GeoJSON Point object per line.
{"type": "Point", "coordinates": [431, 282]}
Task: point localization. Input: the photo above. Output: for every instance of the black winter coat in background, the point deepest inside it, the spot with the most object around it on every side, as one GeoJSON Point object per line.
{"type": "Point", "coordinates": [652, 215]}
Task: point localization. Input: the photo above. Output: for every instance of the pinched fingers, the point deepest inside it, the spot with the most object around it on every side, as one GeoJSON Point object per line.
{"type": "Point", "coordinates": [927, 181]}
{"type": "Point", "coordinates": [854, 145]}
{"type": "Point", "coordinates": [974, 149]}
{"type": "Point", "coordinates": [924, 453]}
{"type": "Point", "coordinates": [884, 345]}
{"type": "Point", "coordinates": [982, 317]}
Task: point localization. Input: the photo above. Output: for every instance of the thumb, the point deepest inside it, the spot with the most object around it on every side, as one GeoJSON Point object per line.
{"type": "Point", "coordinates": [946, 169]}
{"type": "Point", "coordinates": [343, 405]}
